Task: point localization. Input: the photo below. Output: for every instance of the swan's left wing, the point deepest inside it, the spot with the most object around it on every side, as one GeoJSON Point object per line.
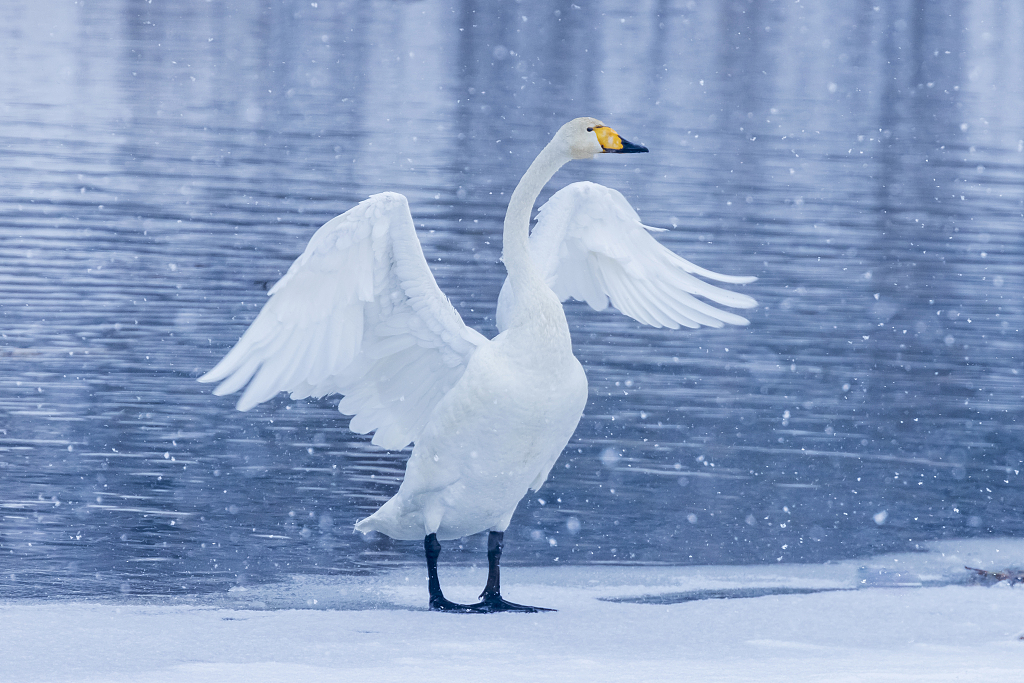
{"type": "Point", "coordinates": [589, 244]}
{"type": "Point", "coordinates": [359, 314]}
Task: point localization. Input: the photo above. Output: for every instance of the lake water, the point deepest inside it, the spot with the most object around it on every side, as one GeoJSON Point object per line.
{"type": "Point", "coordinates": [163, 163]}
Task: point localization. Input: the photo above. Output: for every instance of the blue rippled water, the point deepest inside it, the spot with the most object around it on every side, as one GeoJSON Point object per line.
{"type": "Point", "coordinates": [161, 164]}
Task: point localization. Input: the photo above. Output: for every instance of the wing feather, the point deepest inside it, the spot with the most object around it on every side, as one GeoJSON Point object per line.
{"type": "Point", "coordinates": [360, 314]}
{"type": "Point", "coordinates": [590, 245]}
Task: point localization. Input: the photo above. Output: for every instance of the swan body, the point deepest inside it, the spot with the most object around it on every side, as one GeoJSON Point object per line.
{"type": "Point", "coordinates": [359, 314]}
{"type": "Point", "coordinates": [485, 446]}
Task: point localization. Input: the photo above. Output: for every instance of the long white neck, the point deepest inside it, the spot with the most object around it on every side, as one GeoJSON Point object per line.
{"type": "Point", "coordinates": [528, 286]}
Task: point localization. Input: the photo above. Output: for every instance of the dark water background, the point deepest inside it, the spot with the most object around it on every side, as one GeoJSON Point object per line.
{"type": "Point", "coordinates": [161, 163]}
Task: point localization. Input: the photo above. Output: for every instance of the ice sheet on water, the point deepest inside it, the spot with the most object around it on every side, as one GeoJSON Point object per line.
{"type": "Point", "coordinates": [942, 564]}
{"type": "Point", "coordinates": [375, 628]}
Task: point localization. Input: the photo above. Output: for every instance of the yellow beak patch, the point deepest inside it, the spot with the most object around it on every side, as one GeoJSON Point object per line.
{"type": "Point", "coordinates": [608, 138]}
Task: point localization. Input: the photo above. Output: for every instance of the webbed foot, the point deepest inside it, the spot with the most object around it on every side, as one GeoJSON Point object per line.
{"type": "Point", "coordinates": [443, 604]}
{"type": "Point", "coordinates": [493, 602]}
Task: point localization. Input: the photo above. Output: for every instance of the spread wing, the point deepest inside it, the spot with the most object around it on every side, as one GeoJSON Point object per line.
{"type": "Point", "coordinates": [359, 314]}
{"type": "Point", "coordinates": [590, 245]}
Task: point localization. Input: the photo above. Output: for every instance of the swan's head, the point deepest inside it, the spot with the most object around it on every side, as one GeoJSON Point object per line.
{"type": "Point", "coordinates": [587, 137]}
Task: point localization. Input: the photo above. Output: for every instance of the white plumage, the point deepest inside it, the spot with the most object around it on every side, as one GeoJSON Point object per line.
{"type": "Point", "coordinates": [590, 245]}
{"type": "Point", "coordinates": [359, 314]}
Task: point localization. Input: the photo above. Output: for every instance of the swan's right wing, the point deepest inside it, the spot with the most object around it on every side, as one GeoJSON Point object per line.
{"type": "Point", "coordinates": [590, 245]}
{"type": "Point", "coordinates": [359, 314]}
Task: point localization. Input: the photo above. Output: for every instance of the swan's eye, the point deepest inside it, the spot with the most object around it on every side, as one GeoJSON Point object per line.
{"type": "Point", "coordinates": [590, 130]}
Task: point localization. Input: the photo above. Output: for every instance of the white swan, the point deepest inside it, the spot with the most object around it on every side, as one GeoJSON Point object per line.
{"type": "Point", "coordinates": [360, 314]}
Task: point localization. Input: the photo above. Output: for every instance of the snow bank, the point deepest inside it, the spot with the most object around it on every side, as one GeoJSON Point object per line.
{"type": "Point", "coordinates": [896, 618]}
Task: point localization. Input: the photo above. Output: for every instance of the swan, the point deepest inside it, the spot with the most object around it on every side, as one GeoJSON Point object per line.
{"type": "Point", "coordinates": [359, 314]}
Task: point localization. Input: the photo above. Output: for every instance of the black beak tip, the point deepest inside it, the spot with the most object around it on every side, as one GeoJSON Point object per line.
{"type": "Point", "coordinates": [631, 148]}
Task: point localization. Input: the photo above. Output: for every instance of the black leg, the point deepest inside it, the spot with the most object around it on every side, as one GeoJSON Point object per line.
{"type": "Point", "coordinates": [491, 600]}
{"type": "Point", "coordinates": [432, 548]}
{"type": "Point", "coordinates": [495, 544]}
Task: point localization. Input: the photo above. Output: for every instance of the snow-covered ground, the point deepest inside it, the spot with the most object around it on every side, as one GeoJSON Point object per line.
{"type": "Point", "coordinates": [911, 617]}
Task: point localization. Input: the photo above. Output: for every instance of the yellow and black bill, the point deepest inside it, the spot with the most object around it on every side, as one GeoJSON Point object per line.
{"type": "Point", "coordinates": [613, 142]}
